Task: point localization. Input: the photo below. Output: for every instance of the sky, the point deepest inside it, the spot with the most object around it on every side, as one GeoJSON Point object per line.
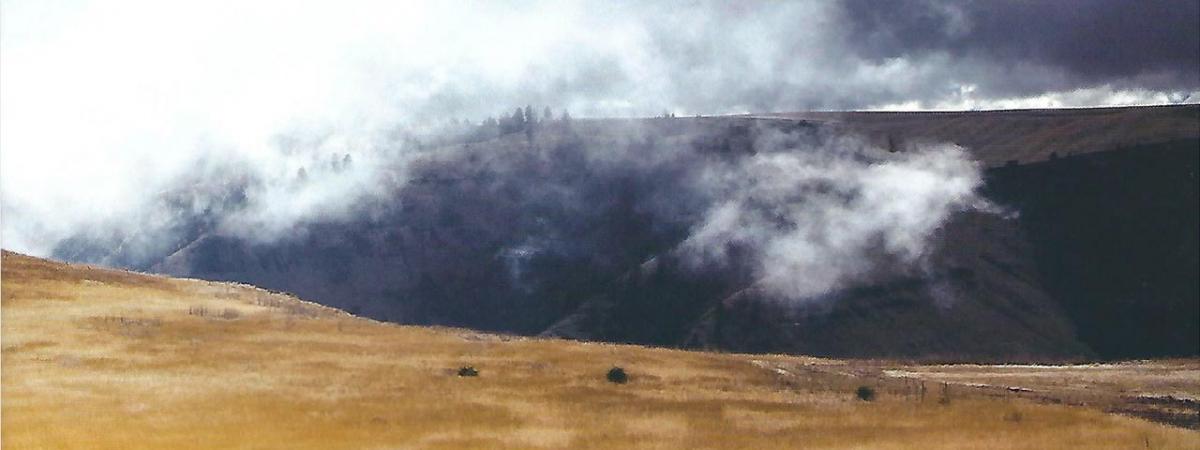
{"type": "Point", "coordinates": [102, 103]}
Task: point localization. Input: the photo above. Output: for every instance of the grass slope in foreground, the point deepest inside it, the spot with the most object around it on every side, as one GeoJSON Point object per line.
{"type": "Point", "coordinates": [101, 358]}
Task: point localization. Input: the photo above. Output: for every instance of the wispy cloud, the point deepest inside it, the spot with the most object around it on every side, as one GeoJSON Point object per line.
{"type": "Point", "coordinates": [104, 104]}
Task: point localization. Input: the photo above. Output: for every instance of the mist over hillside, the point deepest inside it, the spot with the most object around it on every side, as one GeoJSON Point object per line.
{"type": "Point", "coordinates": [927, 178]}
{"type": "Point", "coordinates": [733, 233]}
{"type": "Point", "coordinates": [597, 197]}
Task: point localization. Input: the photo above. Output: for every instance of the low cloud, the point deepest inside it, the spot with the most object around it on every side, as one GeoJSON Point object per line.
{"type": "Point", "coordinates": [106, 105]}
{"type": "Point", "coordinates": [814, 218]}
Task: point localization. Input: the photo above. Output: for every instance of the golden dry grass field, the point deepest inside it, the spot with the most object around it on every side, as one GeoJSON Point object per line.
{"type": "Point", "coordinates": [98, 358]}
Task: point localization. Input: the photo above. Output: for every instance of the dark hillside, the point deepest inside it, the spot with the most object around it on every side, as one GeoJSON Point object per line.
{"type": "Point", "coordinates": [1115, 239]}
{"type": "Point", "coordinates": [979, 298]}
{"type": "Point", "coordinates": [574, 229]}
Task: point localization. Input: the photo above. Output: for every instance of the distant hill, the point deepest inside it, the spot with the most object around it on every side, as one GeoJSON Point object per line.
{"type": "Point", "coordinates": [541, 233]}
{"type": "Point", "coordinates": [1022, 136]}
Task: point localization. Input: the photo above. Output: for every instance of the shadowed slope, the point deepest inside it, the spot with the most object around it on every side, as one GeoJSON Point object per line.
{"type": "Point", "coordinates": [540, 233]}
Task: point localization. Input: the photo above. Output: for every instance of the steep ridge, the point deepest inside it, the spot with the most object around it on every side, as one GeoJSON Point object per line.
{"type": "Point", "coordinates": [532, 234]}
{"type": "Point", "coordinates": [1100, 262]}
{"type": "Point", "coordinates": [1114, 236]}
{"type": "Point", "coordinates": [979, 298]}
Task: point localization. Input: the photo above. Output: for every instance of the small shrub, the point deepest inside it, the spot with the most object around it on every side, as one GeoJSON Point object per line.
{"type": "Point", "coordinates": [865, 393]}
{"type": "Point", "coordinates": [617, 375]}
{"type": "Point", "coordinates": [230, 314]}
{"type": "Point", "coordinates": [1014, 416]}
{"type": "Point", "coordinates": [467, 371]}
{"type": "Point", "coordinates": [945, 399]}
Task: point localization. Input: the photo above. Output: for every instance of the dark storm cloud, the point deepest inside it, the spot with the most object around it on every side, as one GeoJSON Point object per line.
{"type": "Point", "coordinates": [1151, 44]}
{"type": "Point", "coordinates": [358, 71]}
{"type": "Point", "coordinates": [713, 58]}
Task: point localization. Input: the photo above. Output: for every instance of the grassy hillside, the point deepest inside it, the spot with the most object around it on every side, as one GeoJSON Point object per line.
{"type": "Point", "coordinates": [998, 138]}
{"type": "Point", "coordinates": [108, 359]}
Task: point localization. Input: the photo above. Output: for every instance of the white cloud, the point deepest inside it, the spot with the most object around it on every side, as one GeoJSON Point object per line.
{"type": "Point", "coordinates": [1106, 95]}
{"type": "Point", "coordinates": [104, 103]}
{"type": "Point", "coordinates": [811, 217]}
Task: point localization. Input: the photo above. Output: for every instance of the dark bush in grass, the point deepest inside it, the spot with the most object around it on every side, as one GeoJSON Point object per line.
{"type": "Point", "coordinates": [865, 393]}
{"type": "Point", "coordinates": [467, 371]}
{"type": "Point", "coordinates": [617, 375]}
